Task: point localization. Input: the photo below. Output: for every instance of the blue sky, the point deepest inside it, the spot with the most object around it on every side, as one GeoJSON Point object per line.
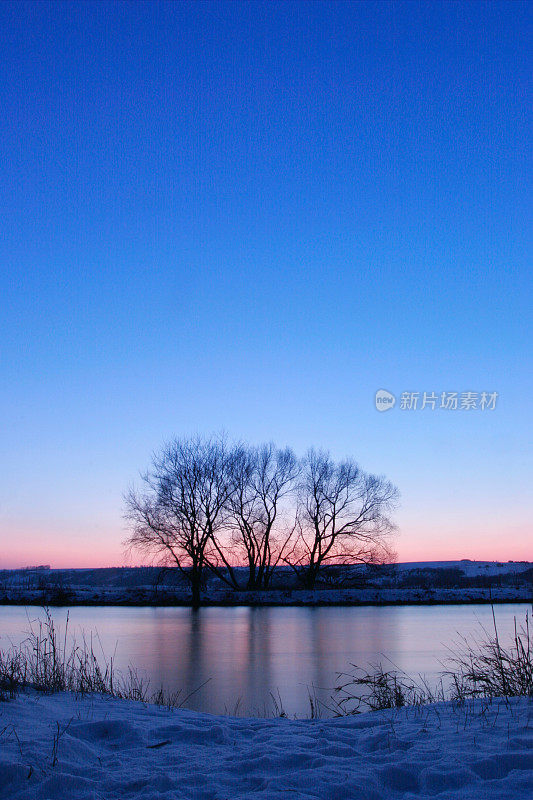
{"type": "Point", "coordinates": [250, 217]}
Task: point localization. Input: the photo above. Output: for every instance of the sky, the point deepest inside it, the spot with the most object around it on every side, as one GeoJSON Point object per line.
{"type": "Point", "coordinates": [250, 217]}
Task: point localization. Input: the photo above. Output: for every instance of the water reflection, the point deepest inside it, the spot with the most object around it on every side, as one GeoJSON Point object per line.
{"type": "Point", "coordinates": [241, 657]}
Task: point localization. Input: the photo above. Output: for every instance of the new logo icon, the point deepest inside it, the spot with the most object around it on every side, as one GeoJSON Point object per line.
{"type": "Point", "coordinates": [384, 400]}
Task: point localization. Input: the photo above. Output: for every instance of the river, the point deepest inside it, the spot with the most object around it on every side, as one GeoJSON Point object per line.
{"type": "Point", "coordinates": [234, 660]}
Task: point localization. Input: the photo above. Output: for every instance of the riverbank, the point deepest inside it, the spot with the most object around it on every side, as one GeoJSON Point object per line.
{"type": "Point", "coordinates": [63, 748]}
{"type": "Point", "coordinates": [146, 596]}
{"type": "Point", "coordinates": [422, 583]}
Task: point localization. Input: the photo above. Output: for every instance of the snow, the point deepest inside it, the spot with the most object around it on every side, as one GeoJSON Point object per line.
{"type": "Point", "coordinates": [511, 582]}
{"type": "Point", "coordinates": [273, 597]}
{"type": "Point", "coordinates": [471, 569]}
{"type": "Point", "coordinates": [109, 749]}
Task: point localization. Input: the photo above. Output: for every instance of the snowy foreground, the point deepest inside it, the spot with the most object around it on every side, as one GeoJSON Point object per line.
{"type": "Point", "coordinates": [101, 749]}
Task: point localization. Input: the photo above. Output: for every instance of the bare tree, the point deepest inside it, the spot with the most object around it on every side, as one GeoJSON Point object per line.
{"type": "Point", "coordinates": [181, 509]}
{"type": "Point", "coordinates": [206, 506]}
{"type": "Point", "coordinates": [342, 516]}
{"type": "Point", "coordinates": [264, 477]}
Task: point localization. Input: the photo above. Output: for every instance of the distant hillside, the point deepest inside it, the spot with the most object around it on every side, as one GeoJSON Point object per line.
{"type": "Point", "coordinates": [469, 568]}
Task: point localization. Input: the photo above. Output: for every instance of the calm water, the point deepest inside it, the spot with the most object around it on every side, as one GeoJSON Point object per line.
{"type": "Point", "coordinates": [245, 654]}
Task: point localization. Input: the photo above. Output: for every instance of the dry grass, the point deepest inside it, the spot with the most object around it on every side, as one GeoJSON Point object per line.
{"type": "Point", "coordinates": [476, 669]}
{"type": "Point", "coordinates": [490, 669]}
{"type": "Point", "coordinates": [46, 662]}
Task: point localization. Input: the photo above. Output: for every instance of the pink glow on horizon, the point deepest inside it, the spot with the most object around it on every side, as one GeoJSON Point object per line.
{"type": "Point", "coordinates": [87, 547]}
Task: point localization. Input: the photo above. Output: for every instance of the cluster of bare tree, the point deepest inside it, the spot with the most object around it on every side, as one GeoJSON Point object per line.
{"type": "Point", "coordinates": [209, 506]}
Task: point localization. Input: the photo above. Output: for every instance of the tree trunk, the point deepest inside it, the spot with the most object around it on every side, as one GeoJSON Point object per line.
{"type": "Point", "coordinates": [310, 576]}
{"type": "Point", "coordinates": [251, 582]}
{"type": "Point", "coordinates": [196, 583]}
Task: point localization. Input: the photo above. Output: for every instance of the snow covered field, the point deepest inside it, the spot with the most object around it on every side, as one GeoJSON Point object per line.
{"type": "Point", "coordinates": [57, 746]}
{"type": "Point", "coordinates": [405, 583]}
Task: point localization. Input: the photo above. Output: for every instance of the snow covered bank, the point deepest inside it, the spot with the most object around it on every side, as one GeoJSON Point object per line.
{"type": "Point", "coordinates": [60, 747]}
{"type": "Point", "coordinates": [399, 584]}
{"type": "Point", "coordinates": [145, 596]}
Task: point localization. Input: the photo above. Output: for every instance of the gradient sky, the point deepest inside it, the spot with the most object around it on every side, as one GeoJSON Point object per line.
{"type": "Point", "coordinates": [249, 217]}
